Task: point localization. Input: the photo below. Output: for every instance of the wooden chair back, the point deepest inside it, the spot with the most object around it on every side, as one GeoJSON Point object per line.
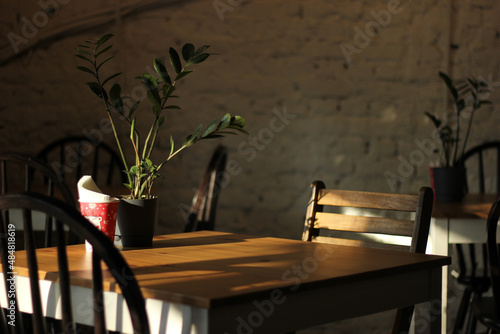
{"type": "Point", "coordinates": [201, 215]}
{"type": "Point", "coordinates": [103, 251]}
{"type": "Point", "coordinates": [482, 163]}
{"type": "Point", "coordinates": [19, 172]}
{"type": "Point", "coordinates": [327, 221]}
{"type": "Point", "coordinates": [75, 156]}
{"type": "Point", "coordinates": [483, 167]}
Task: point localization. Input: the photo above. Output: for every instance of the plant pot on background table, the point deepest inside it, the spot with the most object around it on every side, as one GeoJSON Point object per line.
{"type": "Point", "coordinates": [448, 183]}
{"type": "Point", "coordinates": [137, 211]}
{"type": "Point", "coordinates": [448, 178]}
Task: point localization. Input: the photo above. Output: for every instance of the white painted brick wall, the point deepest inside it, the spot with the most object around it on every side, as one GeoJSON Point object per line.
{"type": "Point", "coordinates": [352, 121]}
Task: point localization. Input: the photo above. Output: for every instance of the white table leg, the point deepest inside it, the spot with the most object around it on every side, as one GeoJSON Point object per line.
{"type": "Point", "coordinates": [438, 245]}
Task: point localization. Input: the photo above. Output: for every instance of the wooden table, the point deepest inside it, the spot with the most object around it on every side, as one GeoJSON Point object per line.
{"type": "Point", "coordinates": [223, 283]}
{"type": "Point", "coordinates": [461, 222]}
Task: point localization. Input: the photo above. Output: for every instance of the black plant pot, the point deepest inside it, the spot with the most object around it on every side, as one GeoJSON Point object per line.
{"type": "Point", "coordinates": [135, 222]}
{"type": "Point", "coordinates": [448, 183]}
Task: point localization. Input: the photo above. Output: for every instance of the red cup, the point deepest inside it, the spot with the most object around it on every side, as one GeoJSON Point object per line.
{"type": "Point", "coordinates": [103, 216]}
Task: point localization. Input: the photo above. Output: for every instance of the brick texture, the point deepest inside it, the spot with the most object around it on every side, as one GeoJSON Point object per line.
{"type": "Point", "coordinates": [349, 121]}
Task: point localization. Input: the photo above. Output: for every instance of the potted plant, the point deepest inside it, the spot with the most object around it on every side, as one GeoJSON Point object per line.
{"type": "Point", "coordinates": [448, 176]}
{"type": "Point", "coordinates": [160, 87]}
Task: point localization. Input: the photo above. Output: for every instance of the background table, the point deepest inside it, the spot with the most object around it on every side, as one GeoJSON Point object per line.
{"type": "Point", "coordinates": [214, 282]}
{"type": "Point", "coordinates": [461, 222]}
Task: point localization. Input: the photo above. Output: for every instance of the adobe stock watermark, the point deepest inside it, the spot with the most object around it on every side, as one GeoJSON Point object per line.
{"type": "Point", "coordinates": [263, 309]}
{"type": "Point", "coordinates": [250, 148]}
{"type": "Point", "coordinates": [222, 6]}
{"type": "Point", "coordinates": [362, 39]}
{"type": "Point", "coordinates": [265, 136]}
{"type": "Point", "coordinates": [30, 28]}
{"type": "Point", "coordinates": [426, 147]}
{"type": "Point", "coordinates": [95, 137]}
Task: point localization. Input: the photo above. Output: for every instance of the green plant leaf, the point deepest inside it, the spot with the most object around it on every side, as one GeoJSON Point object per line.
{"type": "Point", "coordinates": [195, 134]}
{"type": "Point", "coordinates": [134, 170]}
{"type": "Point", "coordinates": [171, 145]}
{"type": "Point", "coordinates": [210, 128]}
{"type": "Point", "coordinates": [168, 90]}
{"type": "Point", "coordinates": [133, 108]}
{"type": "Point", "coordinates": [104, 62]}
{"type": "Point", "coordinates": [156, 110]}
{"type": "Point", "coordinates": [200, 50]}
{"type": "Point", "coordinates": [238, 121]}
{"type": "Point", "coordinates": [83, 51]}
{"type": "Point", "coordinates": [182, 75]}
{"type": "Point", "coordinates": [149, 81]}
{"type": "Point", "coordinates": [110, 78]}
{"type": "Point", "coordinates": [116, 99]}
{"type": "Point", "coordinates": [175, 60]}
{"type": "Point", "coordinates": [186, 140]}
{"type": "Point", "coordinates": [154, 98]}
{"type": "Point", "coordinates": [434, 119]}
{"type": "Point", "coordinates": [449, 84]}
{"type": "Point", "coordinates": [225, 121]}
{"type": "Point", "coordinates": [200, 58]}
{"type": "Point", "coordinates": [103, 50]}
{"type": "Point", "coordinates": [160, 122]}
{"type": "Point", "coordinates": [187, 51]}
{"type": "Point", "coordinates": [103, 40]}
{"type": "Point", "coordinates": [172, 107]}
{"type": "Point", "coordinates": [85, 58]}
{"type": "Point", "coordinates": [97, 89]}
{"type": "Point", "coordinates": [115, 92]}
{"type": "Point", "coordinates": [162, 70]}
{"type": "Point", "coordinates": [86, 69]}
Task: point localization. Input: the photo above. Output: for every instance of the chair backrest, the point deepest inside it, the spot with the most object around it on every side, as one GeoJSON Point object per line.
{"type": "Point", "coordinates": [493, 250]}
{"type": "Point", "coordinates": [75, 156]}
{"type": "Point", "coordinates": [19, 172]}
{"type": "Point", "coordinates": [103, 251]}
{"type": "Point", "coordinates": [362, 230]}
{"type": "Point", "coordinates": [202, 211]}
{"type": "Point", "coordinates": [483, 167]}
{"type": "Point", "coordinates": [377, 223]}
{"type": "Point", "coordinates": [482, 163]}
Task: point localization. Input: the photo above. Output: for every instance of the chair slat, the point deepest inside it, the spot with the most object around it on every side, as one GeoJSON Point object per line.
{"type": "Point", "coordinates": [364, 224]}
{"type": "Point", "coordinates": [367, 200]}
{"type": "Point", "coordinates": [361, 243]}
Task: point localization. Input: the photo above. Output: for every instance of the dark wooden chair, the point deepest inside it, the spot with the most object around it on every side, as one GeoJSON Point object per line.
{"type": "Point", "coordinates": [19, 172]}
{"type": "Point", "coordinates": [485, 309]}
{"type": "Point", "coordinates": [481, 172]}
{"type": "Point", "coordinates": [67, 216]}
{"type": "Point", "coordinates": [368, 219]}
{"type": "Point", "coordinates": [201, 215]}
{"type": "Point", "coordinates": [75, 156]}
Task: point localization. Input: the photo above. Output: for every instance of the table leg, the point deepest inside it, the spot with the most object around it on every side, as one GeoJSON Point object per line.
{"type": "Point", "coordinates": [438, 245]}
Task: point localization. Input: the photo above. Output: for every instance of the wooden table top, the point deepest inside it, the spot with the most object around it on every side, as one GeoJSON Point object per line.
{"type": "Point", "coordinates": [472, 206]}
{"type": "Point", "coordinates": [209, 269]}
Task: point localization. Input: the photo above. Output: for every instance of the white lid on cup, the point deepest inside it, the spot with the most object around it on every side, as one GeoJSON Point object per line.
{"type": "Point", "coordinates": [88, 191]}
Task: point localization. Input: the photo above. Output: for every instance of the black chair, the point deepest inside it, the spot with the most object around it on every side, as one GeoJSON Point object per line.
{"type": "Point", "coordinates": [103, 250]}
{"type": "Point", "coordinates": [75, 156]}
{"type": "Point", "coordinates": [201, 215]}
{"type": "Point", "coordinates": [486, 309]}
{"type": "Point", "coordinates": [482, 163]}
{"type": "Point", "coordinates": [19, 172]}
